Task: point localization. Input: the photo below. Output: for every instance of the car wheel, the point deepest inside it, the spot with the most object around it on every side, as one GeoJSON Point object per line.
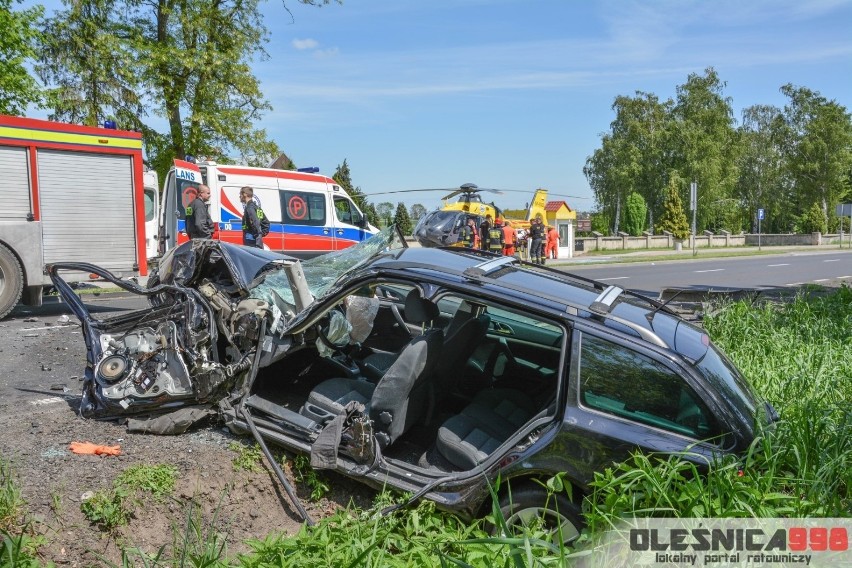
{"type": "Point", "coordinates": [11, 281]}
{"type": "Point", "coordinates": [529, 505]}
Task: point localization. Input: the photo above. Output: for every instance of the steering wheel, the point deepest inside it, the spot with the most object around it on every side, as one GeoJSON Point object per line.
{"type": "Point", "coordinates": [323, 330]}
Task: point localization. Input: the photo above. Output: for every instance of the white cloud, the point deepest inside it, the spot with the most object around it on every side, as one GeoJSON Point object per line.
{"type": "Point", "coordinates": [303, 44]}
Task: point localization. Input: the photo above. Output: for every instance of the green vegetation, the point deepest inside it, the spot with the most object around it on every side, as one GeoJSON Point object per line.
{"type": "Point", "coordinates": [112, 508]}
{"type": "Point", "coordinates": [12, 505]}
{"type": "Point", "coordinates": [248, 458]}
{"type": "Point", "coordinates": [158, 480]}
{"type": "Point", "coordinates": [673, 218]}
{"type": "Point", "coordinates": [108, 509]}
{"type": "Point", "coordinates": [785, 161]}
{"type": "Point", "coordinates": [304, 473]}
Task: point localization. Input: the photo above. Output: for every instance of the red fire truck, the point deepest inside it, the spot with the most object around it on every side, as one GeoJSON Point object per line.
{"type": "Point", "coordinates": [69, 193]}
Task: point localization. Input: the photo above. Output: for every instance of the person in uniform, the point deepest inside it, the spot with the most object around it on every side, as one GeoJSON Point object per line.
{"type": "Point", "coordinates": [536, 240]}
{"type": "Point", "coordinates": [495, 237]}
{"type": "Point", "coordinates": [484, 231]}
{"type": "Point", "coordinates": [252, 232]}
{"type": "Point", "coordinates": [552, 247]}
{"type": "Point", "coordinates": [509, 238]}
{"type": "Point", "coordinates": [468, 234]}
{"type": "Point", "coordinates": [199, 225]}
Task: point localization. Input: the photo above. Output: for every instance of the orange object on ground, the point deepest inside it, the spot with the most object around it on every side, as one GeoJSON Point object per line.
{"type": "Point", "coordinates": [94, 449]}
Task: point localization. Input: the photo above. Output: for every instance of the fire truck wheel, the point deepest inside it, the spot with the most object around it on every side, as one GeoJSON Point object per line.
{"type": "Point", "coordinates": [11, 281]}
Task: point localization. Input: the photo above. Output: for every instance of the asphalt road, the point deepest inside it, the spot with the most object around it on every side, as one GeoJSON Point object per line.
{"type": "Point", "coordinates": [787, 270]}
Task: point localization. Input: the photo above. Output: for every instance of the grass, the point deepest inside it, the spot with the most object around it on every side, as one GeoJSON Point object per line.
{"type": "Point", "coordinates": [112, 508]}
{"type": "Point", "coordinates": [648, 255]}
{"type": "Point", "coordinates": [248, 458]}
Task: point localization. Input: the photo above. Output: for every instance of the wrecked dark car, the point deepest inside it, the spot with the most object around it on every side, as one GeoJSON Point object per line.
{"type": "Point", "coordinates": [432, 371]}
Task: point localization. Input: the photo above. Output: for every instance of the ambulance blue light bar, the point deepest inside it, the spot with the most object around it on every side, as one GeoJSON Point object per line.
{"type": "Point", "coordinates": [311, 170]}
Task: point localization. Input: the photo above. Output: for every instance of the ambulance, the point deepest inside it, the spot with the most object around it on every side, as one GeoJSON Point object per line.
{"type": "Point", "coordinates": [309, 213]}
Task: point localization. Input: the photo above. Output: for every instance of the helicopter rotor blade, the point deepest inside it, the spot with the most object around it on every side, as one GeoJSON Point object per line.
{"type": "Point", "coordinates": [410, 191]}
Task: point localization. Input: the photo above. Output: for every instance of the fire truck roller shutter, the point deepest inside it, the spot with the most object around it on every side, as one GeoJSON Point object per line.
{"type": "Point", "coordinates": [16, 183]}
{"type": "Point", "coordinates": [87, 209]}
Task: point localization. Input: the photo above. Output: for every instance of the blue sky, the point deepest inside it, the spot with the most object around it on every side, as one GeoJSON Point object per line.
{"type": "Point", "coordinates": [515, 94]}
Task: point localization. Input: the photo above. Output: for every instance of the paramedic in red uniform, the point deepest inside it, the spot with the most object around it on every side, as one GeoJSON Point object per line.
{"type": "Point", "coordinates": [199, 225]}
{"type": "Point", "coordinates": [509, 239]}
{"type": "Point", "coordinates": [552, 243]}
{"type": "Point", "coordinates": [252, 233]}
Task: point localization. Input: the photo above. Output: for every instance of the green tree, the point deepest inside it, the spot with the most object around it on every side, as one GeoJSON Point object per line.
{"type": "Point", "coordinates": [192, 62]}
{"type": "Point", "coordinates": [761, 182]}
{"type": "Point", "coordinates": [18, 40]}
{"type": "Point", "coordinates": [673, 219]}
{"type": "Point", "coordinates": [417, 212]}
{"type": "Point", "coordinates": [818, 147]}
{"type": "Point", "coordinates": [373, 215]}
{"type": "Point", "coordinates": [634, 214]}
{"type": "Point", "coordinates": [705, 143]}
{"type": "Point", "coordinates": [385, 212]}
{"type": "Point", "coordinates": [91, 67]}
{"type": "Point", "coordinates": [813, 220]}
{"type": "Point", "coordinates": [343, 177]}
{"type": "Point", "coordinates": [402, 220]}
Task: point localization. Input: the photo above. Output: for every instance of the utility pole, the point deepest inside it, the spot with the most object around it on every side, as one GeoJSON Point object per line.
{"type": "Point", "coordinates": [693, 204]}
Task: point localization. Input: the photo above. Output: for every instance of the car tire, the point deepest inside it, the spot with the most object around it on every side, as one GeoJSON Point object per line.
{"type": "Point", "coordinates": [11, 281]}
{"type": "Point", "coordinates": [527, 503]}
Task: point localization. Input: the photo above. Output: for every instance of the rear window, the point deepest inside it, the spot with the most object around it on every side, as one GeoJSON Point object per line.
{"type": "Point", "coordinates": [725, 378]}
{"type": "Point", "coordinates": [621, 382]}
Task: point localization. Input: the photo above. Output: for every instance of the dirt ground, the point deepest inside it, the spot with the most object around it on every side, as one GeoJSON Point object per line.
{"type": "Point", "coordinates": [40, 365]}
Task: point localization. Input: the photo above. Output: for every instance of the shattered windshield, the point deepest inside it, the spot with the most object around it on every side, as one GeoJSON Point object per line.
{"type": "Point", "coordinates": [324, 271]}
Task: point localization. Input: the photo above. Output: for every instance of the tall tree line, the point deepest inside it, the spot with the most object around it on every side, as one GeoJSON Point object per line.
{"type": "Point", "coordinates": [786, 161]}
{"type": "Point", "coordinates": [182, 63]}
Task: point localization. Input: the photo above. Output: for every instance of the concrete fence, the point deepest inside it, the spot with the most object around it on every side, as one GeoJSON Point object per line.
{"type": "Point", "coordinates": [705, 240]}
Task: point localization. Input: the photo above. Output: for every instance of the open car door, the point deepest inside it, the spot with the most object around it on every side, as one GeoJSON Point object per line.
{"type": "Point", "coordinates": [214, 307]}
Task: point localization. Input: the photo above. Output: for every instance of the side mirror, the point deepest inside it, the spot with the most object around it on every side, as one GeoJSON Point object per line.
{"type": "Point", "coordinates": [362, 222]}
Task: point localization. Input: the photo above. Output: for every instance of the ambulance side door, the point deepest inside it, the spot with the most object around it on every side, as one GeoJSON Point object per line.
{"type": "Point", "coordinates": [349, 223]}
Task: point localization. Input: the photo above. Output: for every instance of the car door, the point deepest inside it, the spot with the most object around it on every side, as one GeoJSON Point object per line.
{"type": "Point", "coordinates": [622, 398]}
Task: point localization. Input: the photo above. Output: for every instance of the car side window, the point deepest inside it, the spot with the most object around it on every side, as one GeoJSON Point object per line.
{"type": "Point", "coordinates": [619, 381]}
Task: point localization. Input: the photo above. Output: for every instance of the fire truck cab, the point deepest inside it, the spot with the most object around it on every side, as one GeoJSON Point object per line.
{"type": "Point", "coordinates": [309, 213]}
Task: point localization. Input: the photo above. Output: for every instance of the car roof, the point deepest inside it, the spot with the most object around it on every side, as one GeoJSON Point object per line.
{"type": "Point", "coordinates": [545, 288]}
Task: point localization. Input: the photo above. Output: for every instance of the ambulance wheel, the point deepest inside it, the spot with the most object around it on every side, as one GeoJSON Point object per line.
{"type": "Point", "coordinates": [11, 281]}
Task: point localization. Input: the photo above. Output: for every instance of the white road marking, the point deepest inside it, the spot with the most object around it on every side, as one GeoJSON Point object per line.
{"type": "Point", "coordinates": [823, 280]}
{"type": "Point", "coordinates": [773, 265]}
{"type": "Point", "coordinates": [713, 270]}
{"type": "Point", "coordinates": [795, 284]}
{"type": "Point", "coordinates": [832, 260]}
{"type": "Point", "coordinates": [615, 278]}
{"type": "Point", "coordinates": [843, 277]}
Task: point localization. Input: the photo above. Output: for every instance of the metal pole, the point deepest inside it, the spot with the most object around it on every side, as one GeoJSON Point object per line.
{"type": "Point", "coordinates": [693, 194]}
{"type": "Point", "coordinates": [758, 233]}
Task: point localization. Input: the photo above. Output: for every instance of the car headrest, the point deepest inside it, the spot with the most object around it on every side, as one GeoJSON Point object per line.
{"type": "Point", "coordinates": [418, 309]}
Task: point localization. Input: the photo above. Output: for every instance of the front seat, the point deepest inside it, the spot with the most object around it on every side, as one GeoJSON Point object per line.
{"type": "Point", "coordinates": [402, 395]}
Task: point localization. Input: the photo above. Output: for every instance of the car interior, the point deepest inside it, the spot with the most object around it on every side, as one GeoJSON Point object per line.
{"type": "Point", "coordinates": [446, 380]}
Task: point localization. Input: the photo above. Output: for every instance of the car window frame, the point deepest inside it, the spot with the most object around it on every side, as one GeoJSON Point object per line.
{"type": "Point", "coordinates": [727, 438]}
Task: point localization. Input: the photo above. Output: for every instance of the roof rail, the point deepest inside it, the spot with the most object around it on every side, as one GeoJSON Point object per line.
{"type": "Point", "coordinates": [488, 267]}
{"type": "Point", "coordinates": [603, 303]}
